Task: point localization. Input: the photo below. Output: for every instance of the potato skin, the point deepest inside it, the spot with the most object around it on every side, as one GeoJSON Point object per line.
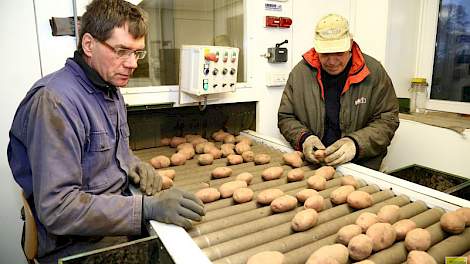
{"type": "Point", "coordinates": [242, 147]}
{"type": "Point", "coordinates": [215, 152]}
{"type": "Point", "coordinates": [283, 204]}
{"type": "Point", "coordinates": [205, 159]}
{"type": "Point", "coordinates": [402, 227]}
{"type": "Point", "coordinates": [229, 139]}
{"type": "Point", "coordinates": [208, 195]}
{"type": "Point", "coordinates": [268, 195]}
{"type": "Point", "coordinates": [304, 194]}
{"type": "Point", "coordinates": [166, 182]}
{"type": "Point", "coordinates": [340, 195]}
{"type": "Point", "coordinates": [316, 202]}
{"type": "Point", "coordinates": [304, 220]}
{"type": "Point", "coordinates": [465, 213]}
{"type": "Point", "coordinates": [243, 195]}
{"type": "Point", "coordinates": [245, 176]}
{"type": "Point", "coordinates": [178, 159]}
{"type": "Point", "coordinates": [418, 239]}
{"type": "Point", "coordinates": [316, 182]}
{"type": "Point", "coordinates": [175, 141]}
{"type": "Point", "coordinates": [261, 159]}
{"type": "Point", "coordinates": [248, 156]}
{"type": "Point", "coordinates": [227, 149]}
{"type": "Point", "coordinates": [184, 145]}
{"type": "Point", "coordinates": [365, 220]}
{"type": "Point", "coordinates": [382, 234]}
{"type": "Point", "coordinates": [349, 180]}
{"type": "Point", "coordinates": [272, 173]}
{"type": "Point", "coordinates": [359, 200]}
{"type": "Point", "coordinates": [360, 247]}
{"type": "Point", "coordinates": [338, 252]}
{"type": "Point", "coordinates": [165, 141]}
{"type": "Point", "coordinates": [221, 172]}
{"type": "Point", "coordinates": [160, 161]}
{"type": "Point", "coordinates": [167, 173]}
{"type": "Point", "coordinates": [326, 172]}
{"type": "Point", "coordinates": [292, 159]}
{"type": "Point", "coordinates": [420, 257]}
{"type": "Point", "coordinates": [319, 154]}
{"type": "Point", "coordinates": [227, 189]}
{"type": "Point", "coordinates": [452, 222]}
{"type": "Point", "coordinates": [188, 152]}
{"type": "Point", "coordinates": [347, 232]}
{"type": "Point", "coordinates": [234, 159]}
{"type": "Point", "coordinates": [389, 213]}
{"type": "Point", "coordinates": [271, 257]}
{"type": "Point", "coordinates": [295, 175]}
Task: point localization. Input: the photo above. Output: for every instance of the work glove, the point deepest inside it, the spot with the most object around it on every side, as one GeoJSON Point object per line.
{"type": "Point", "coordinates": [310, 145]}
{"type": "Point", "coordinates": [342, 151]}
{"type": "Point", "coordinates": [173, 206]}
{"type": "Point", "coordinates": [143, 173]}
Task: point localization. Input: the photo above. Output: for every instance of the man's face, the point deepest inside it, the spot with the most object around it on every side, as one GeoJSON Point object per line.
{"type": "Point", "coordinates": [334, 63]}
{"type": "Point", "coordinates": [105, 58]}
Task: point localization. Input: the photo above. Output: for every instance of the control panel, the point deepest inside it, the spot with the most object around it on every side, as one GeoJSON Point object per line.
{"type": "Point", "coordinates": [208, 69]}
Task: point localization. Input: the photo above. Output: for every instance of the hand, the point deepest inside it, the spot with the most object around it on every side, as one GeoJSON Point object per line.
{"type": "Point", "coordinates": [310, 145]}
{"type": "Point", "coordinates": [342, 151]}
{"type": "Point", "coordinates": [144, 173]}
{"type": "Point", "coordinates": [173, 206]}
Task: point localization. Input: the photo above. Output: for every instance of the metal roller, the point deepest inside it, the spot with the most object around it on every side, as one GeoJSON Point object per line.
{"type": "Point", "coordinates": [454, 245]}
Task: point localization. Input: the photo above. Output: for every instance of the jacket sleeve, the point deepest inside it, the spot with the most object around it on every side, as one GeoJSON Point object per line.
{"type": "Point", "coordinates": [290, 127]}
{"type": "Point", "coordinates": [55, 143]}
{"type": "Point", "coordinates": [376, 136]}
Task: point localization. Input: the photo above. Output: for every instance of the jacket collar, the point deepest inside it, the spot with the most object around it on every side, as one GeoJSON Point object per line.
{"type": "Point", "coordinates": [358, 72]}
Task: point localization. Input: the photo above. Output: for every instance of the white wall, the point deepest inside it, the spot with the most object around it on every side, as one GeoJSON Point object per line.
{"type": "Point", "coordinates": [19, 69]}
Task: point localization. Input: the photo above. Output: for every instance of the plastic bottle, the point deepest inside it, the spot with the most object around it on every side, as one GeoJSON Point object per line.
{"type": "Point", "coordinates": [418, 95]}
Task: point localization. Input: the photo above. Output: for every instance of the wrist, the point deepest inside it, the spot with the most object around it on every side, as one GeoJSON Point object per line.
{"type": "Point", "coordinates": [356, 155]}
{"type": "Point", "coordinates": [303, 138]}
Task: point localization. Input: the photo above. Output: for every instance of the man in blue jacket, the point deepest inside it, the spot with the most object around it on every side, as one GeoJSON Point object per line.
{"type": "Point", "coordinates": [69, 143]}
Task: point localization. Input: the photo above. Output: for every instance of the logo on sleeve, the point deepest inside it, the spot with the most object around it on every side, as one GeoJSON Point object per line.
{"type": "Point", "coordinates": [361, 100]}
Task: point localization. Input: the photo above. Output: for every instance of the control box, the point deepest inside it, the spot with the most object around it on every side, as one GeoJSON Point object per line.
{"type": "Point", "coordinates": [208, 69]}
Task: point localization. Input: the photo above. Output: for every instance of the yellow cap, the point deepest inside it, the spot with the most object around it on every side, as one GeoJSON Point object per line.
{"type": "Point", "coordinates": [332, 34]}
{"type": "Point", "coordinates": [419, 80]}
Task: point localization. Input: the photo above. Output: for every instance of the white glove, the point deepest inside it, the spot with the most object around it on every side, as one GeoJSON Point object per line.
{"type": "Point", "coordinates": [342, 151]}
{"type": "Point", "coordinates": [309, 146]}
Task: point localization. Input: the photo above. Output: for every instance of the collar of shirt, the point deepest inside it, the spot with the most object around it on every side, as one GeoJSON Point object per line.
{"type": "Point", "coordinates": [92, 75]}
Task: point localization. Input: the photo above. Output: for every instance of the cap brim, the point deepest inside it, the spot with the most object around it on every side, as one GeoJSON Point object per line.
{"type": "Point", "coordinates": [332, 46]}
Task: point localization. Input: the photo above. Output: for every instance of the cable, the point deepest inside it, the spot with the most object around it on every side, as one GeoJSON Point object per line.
{"type": "Point", "coordinates": [205, 104]}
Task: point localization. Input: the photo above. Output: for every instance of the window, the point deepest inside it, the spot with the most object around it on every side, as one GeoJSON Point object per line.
{"type": "Point", "coordinates": [186, 22]}
{"type": "Point", "coordinates": [451, 73]}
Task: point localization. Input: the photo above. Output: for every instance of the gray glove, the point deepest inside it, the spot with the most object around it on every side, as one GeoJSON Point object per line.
{"type": "Point", "coordinates": [144, 173]}
{"type": "Point", "coordinates": [309, 146]}
{"type": "Point", "coordinates": [173, 206]}
{"type": "Point", "coordinates": [342, 151]}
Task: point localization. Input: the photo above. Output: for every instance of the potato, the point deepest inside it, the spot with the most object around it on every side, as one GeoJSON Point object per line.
{"type": "Point", "coordinates": [465, 213]}
{"type": "Point", "coordinates": [208, 146]}
{"type": "Point", "coordinates": [283, 204]}
{"type": "Point", "coordinates": [197, 141]}
{"type": "Point", "coordinates": [160, 161]}
{"type": "Point", "coordinates": [215, 152]}
{"type": "Point", "coordinates": [201, 146]}
{"type": "Point", "coordinates": [271, 257]}
{"type": "Point", "coordinates": [340, 195]}
{"type": "Point", "coordinates": [304, 220]}
{"type": "Point", "coordinates": [322, 260]}
{"type": "Point", "coordinates": [292, 159]}
{"type": "Point", "coordinates": [382, 234]}
{"type": "Point", "coordinates": [349, 180]}
{"type": "Point", "coordinates": [365, 220]}
{"type": "Point", "coordinates": [205, 159]}
{"type": "Point", "coordinates": [338, 252]}
{"type": "Point", "coordinates": [389, 214]}
{"type": "Point", "coordinates": [167, 173]}
{"type": "Point", "coordinates": [304, 194]}
{"type": "Point", "coordinates": [347, 232]}
{"type": "Point", "coordinates": [272, 173]}
{"type": "Point", "coordinates": [227, 149]}
{"type": "Point", "coordinates": [316, 202]}
{"type": "Point", "coordinates": [365, 262]}
{"type": "Point", "coordinates": [184, 145]}
{"type": "Point", "coordinates": [243, 139]}
{"type": "Point", "coordinates": [245, 176]}
{"type": "Point", "coordinates": [295, 175]}
{"type": "Point", "coordinates": [316, 182]}
{"type": "Point", "coordinates": [166, 182]}
{"type": "Point", "coordinates": [420, 257]}
{"type": "Point", "coordinates": [219, 135]}
{"type": "Point", "coordinates": [243, 195]}
{"type": "Point", "coordinates": [319, 155]}
{"type": "Point", "coordinates": [261, 159]}
{"type": "Point", "coordinates": [229, 139]}
{"type": "Point", "coordinates": [268, 195]}
{"type": "Point", "coordinates": [326, 172]}
{"type": "Point", "coordinates": [452, 222]}
{"type": "Point", "coordinates": [165, 141]}
{"type": "Point", "coordinates": [402, 227]}
{"type": "Point", "coordinates": [226, 190]}
{"type": "Point", "coordinates": [178, 159]}
{"type": "Point", "coordinates": [360, 247]}
{"type": "Point", "coordinates": [359, 199]}
{"type": "Point", "coordinates": [234, 159]}
{"type": "Point", "coordinates": [208, 195]}
{"type": "Point", "coordinates": [418, 239]}
{"type": "Point", "coordinates": [175, 141]}
{"type": "Point", "coordinates": [300, 153]}
{"type": "Point", "coordinates": [248, 156]}
{"type": "Point", "coordinates": [191, 137]}
{"type": "Point", "coordinates": [221, 172]}
{"type": "Point", "coordinates": [188, 152]}
{"type": "Point", "coordinates": [242, 147]}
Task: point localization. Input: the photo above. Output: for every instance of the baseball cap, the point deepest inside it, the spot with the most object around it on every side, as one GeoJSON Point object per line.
{"type": "Point", "coordinates": [332, 34]}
